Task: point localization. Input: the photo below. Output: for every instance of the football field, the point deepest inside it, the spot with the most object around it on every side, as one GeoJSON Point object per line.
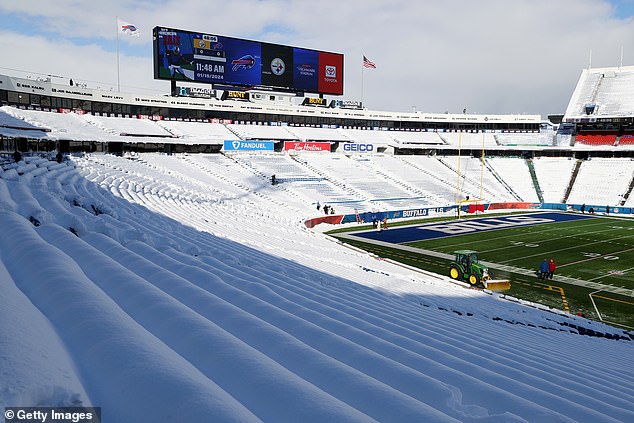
{"type": "Point", "coordinates": [594, 256]}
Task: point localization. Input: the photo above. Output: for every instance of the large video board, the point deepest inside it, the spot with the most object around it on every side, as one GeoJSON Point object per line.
{"type": "Point", "coordinates": [215, 59]}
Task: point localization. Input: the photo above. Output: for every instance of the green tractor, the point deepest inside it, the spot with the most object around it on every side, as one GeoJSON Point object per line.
{"type": "Point", "coordinates": [466, 267]}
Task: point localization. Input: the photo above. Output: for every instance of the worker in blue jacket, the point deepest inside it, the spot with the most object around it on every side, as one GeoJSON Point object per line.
{"type": "Point", "coordinates": [543, 270]}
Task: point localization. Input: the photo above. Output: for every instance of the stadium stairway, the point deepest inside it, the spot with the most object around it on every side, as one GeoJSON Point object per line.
{"type": "Point", "coordinates": [502, 181]}
{"type": "Point", "coordinates": [354, 193]}
{"type": "Point", "coordinates": [531, 170]}
{"type": "Point", "coordinates": [396, 181]}
{"type": "Point", "coordinates": [628, 192]}
{"type": "Point", "coordinates": [451, 186]}
{"type": "Point", "coordinates": [238, 137]}
{"type": "Point", "coordinates": [465, 178]}
{"type": "Point", "coordinates": [573, 178]}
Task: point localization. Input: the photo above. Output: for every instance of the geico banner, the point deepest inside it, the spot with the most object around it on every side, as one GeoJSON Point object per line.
{"type": "Point", "coordinates": [248, 145]}
{"type": "Point", "coordinates": [358, 148]}
{"type": "Point", "coordinates": [306, 146]}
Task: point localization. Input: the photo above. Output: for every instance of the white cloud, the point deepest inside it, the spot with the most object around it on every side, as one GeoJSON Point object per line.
{"type": "Point", "coordinates": [518, 56]}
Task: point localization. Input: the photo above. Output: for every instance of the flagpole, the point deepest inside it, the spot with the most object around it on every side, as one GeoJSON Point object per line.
{"type": "Point", "coordinates": [362, 82]}
{"type": "Point", "coordinates": [118, 77]}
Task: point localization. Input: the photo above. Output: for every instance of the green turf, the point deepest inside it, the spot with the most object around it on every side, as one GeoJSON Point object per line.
{"type": "Point", "coordinates": [599, 250]}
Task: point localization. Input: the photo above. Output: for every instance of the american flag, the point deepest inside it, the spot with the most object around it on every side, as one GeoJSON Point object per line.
{"type": "Point", "coordinates": [367, 63]}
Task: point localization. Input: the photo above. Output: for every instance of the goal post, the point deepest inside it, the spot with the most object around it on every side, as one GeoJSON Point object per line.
{"type": "Point", "coordinates": [458, 190]}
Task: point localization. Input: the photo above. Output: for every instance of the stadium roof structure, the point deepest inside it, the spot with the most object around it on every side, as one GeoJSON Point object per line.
{"type": "Point", "coordinates": [602, 93]}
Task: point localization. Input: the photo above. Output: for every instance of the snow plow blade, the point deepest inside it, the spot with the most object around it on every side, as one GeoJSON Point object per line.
{"type": "Point", "coordinates": [497, 285]}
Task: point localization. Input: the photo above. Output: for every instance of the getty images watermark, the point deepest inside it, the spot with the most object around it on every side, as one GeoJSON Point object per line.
{"type": "Point", "coordinates": [52, 414]}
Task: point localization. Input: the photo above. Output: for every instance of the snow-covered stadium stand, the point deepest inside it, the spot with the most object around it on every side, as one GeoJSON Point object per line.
{"type": "Point", "coordinates": [516, 174]}
{"type": "Point", "coordinates": [610, 90]}
{"type": "Point", "coordinates": [198, 132]}
{"type": "Point", "coordinates": [14, 126]}
{"type": "Point", "coordinates": [602, 181]}
{"type": "Point", "coordinates": [469, 139]}
{"type": "Point", "coordinates": [370, 136]}
{"type": "Point", "coordinates": [63, 126]}
{"type": "Point", "coordinates": [211, 302]}
{"type": "Point", "coordinates": [543, 139]}
{"type": "Point", "coordinates": [413, 139]}
{"type": "Point", "coordinates": [128, 127]}
{"type": "Point", "coordinates": [261, 132]}
{"type": "Point", "coordinates": [553, 175]}
{"type": "Point", "coordinates": [306, 133]}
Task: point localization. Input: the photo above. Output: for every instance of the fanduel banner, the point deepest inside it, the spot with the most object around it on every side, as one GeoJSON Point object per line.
{"type": "Point", "coordinates": [306, 146]}
{"type": "Point", "coordinates": [248, 145]}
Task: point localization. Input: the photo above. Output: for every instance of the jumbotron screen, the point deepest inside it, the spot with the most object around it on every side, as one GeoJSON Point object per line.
{"type": "Point", "coordinates": [216, 59]}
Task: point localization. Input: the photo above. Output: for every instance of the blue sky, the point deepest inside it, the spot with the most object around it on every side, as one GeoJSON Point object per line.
{"type": "Point", "coordinates": [490, 56]}
{"type": "Point", "coordinates": [624, 9]}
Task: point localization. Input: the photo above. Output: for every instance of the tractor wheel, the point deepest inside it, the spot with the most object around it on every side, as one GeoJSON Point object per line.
{"type": "Point", "coordinates": [473, 280]}
{"type": "Point", "coordinates": [455, 273]}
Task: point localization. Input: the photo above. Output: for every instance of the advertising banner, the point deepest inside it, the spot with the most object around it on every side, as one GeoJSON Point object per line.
{"type": "Point", "coordinates": [248, 145]}
{"type": "Point", "coordinates": [306, 146]}
{"type": "Point", "coordinates": [358, 148]}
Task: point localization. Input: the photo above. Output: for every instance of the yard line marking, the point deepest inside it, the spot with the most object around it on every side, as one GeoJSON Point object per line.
{"type": "Point", "coordinates": [547, 253]}
{"type": "Point", "coordinates": [594, 258]}
{"type": "Point", "coordinates": [539, 232]}
{"type": "Point", "coordinates": [611, 299]}
{"type": "Point", "coordinates": [610, 274]}
{"type": "Point", "coordinates": [532, 232]}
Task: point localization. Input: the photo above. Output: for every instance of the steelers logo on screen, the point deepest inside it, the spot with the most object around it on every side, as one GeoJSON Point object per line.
{"type": "Point", "coordinates": [277, 66]}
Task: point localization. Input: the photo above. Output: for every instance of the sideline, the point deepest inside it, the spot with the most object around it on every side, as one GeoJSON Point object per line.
{"type": "Point", "coordinates": [559, 278]}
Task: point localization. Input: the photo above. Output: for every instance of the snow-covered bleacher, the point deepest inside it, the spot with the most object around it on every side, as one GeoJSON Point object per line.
{"type": "Point", "coordinates": [615, 96]}
{"type": "Point", "coordinates": [479, 178]}
{"type": "Point", "coordinates": [626, 142]}
{"type": "Point", "coordinates": [245, 315]}
{"type": "Point", "coordinates": [595, 140]}
{"type": "Point", "coordinates": [64, 126]}
{"type": "Point", "coordinates": [127, 127]}
{"type": "Point", "coordinates": [516, 174]}
{"type": "Point", "coordinates": [584, 93]}
{"type": "Point", "coordinates": [602, 181]}
{"type": "Point", "coordinates": [370, 136]}
{"type": "Point", "coordinates": [553, 175]}
{"type": "Point", "coordinates": [306, 133]}
{"type": "Point", "coordinates": [609, 90]}
{"type": "Point", "coordinates": [433, 191]}
{"type": "Point", "coordinates": [197, 132]}
{"type": "Point", "coordinates": [522, 139]}
{"type": "Point", "coordinates": [261, 132]}
{"type": "Point", "coordinates": [363, 183]}
{"type": "Point", "coordinates": [412, 139]}
{"type": "Point", "coordinates": [469, 139]}
{"type": "Point", "coordinates": [302, 184]}
{"type": "Point", "coordinates": [14, 125]}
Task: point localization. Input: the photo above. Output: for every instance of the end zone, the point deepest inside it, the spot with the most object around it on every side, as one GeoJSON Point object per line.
{"type": "Point", "coordinates": [427, 231]}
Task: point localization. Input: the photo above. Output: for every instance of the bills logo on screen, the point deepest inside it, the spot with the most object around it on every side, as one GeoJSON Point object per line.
{"type": "Point", "coordinates": [278, 66]}
{"type": "Point", "coordinates": [245, 62]}
{"type": "Point", "coordinates": [331, 71]}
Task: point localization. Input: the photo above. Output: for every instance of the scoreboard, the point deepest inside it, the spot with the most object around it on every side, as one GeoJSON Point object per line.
{"type": "Point", "coordinates": [216, 59]}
